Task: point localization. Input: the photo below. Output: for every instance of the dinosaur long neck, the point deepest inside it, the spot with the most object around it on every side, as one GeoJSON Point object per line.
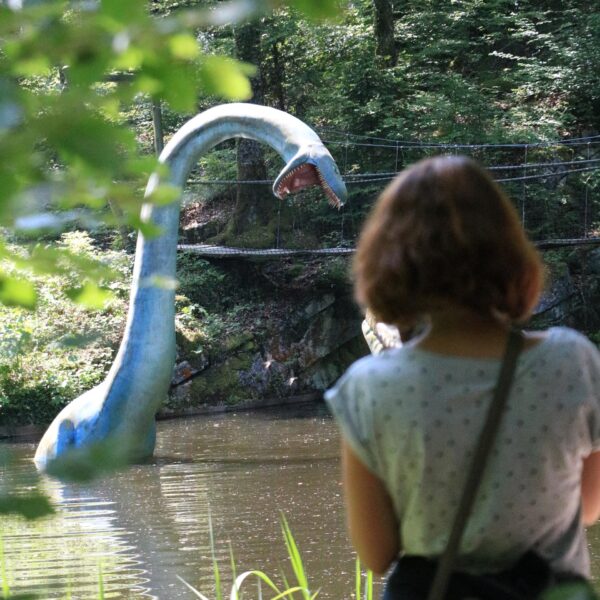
{"type": "Point", "coordinates": [145, 359]}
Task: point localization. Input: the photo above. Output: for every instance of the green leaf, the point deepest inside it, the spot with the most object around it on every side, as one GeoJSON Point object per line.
{"type": "Point", "coordinates": [165, 193]}
{"type": "Point", "coordinates": [226, 77]}
{"type": "Point", "coordinates": [317, 9]}
{"type": "Point", "coordinates": [149, 229]}
{"type": "Point", "coordinates": [90, 296]}
{"type": "Point", "coordinates": [30, 507]}
{"type": "Point", "coordinates": [132, 11]}
{"type": "Point", "coordinates": [17, 292]}
{"type": "Point", "coordinates": [184, 46]}
{"type": "Point", "coordinates": [144, 165]}
{"type": "Point", "coordinates": [49, 260]}
{"type": "Point", "coordinates": [88, 463]}
{"type": "Point", "coordinates": [160, 281]}
{"type": "Point", "coordinates": [174, 81]}
{"type": "Point", "coordinates": [82, 136]}
{"type": "Point", "coordinates": [30, 67]}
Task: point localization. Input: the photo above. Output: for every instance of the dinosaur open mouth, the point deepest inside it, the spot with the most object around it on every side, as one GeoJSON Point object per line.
{"type": "Point", "coordinates": [302, 177]}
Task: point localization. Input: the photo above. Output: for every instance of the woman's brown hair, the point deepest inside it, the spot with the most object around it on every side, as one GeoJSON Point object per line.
{"type": "Point", "coordinates": [444, 232]}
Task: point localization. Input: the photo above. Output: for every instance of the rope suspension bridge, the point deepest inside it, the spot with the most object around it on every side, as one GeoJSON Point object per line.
{"type": "Point", "coordinates": [555, 185]}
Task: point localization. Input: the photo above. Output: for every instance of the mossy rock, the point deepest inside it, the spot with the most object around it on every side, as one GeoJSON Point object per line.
{"type": "Point", "coordinates": [221, 383]}
{"type": "Point", "coordinates": [238, 341]}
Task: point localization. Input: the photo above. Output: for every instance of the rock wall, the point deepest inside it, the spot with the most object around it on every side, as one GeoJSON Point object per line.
{"type": "Point", "coordinates": [316, 334]}
{"type": "Point", "coordinates": [306, 351]}
{"type": "Point", "coordinates": [572, 296]}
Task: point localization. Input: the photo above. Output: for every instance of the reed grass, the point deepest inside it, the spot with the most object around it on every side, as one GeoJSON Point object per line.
{"type": "Point", "coordinates": [100, 581]}
{"type": "Point", "coordinates": [368, 586]}
{"type": "Point", "coordinates": [299, 589]}
{"type": "Point", "coordinates": [363, 591]}
{"type": "Point", "coordinates": [3, 573]}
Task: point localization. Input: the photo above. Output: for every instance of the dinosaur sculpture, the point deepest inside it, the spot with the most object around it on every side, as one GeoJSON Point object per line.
{"type": "Point", "coordinates": [123, 406]}
{"type": "Point", "coordinates": [380, 336]}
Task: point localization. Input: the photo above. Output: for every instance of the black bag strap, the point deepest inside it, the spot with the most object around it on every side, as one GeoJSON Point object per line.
{"type": "Point", "coordinates": [482, 451]}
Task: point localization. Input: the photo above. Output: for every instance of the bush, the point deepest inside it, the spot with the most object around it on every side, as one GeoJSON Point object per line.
{"type": "Point", "coordinates": [50, 356]}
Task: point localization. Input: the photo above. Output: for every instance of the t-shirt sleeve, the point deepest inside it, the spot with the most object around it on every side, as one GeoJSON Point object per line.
{"type": "Point", "coordinates": [352, 408]}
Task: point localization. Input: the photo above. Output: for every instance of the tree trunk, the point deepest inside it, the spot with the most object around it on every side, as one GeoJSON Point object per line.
{"type": "Point", "coordinates": [254, 202]}
{"type": "Point", "coordinates": [383, 19]}
{"type": "Point", "coordinates": [277, 77]}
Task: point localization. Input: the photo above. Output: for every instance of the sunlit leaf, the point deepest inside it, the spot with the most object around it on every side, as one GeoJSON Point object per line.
{"type": "Point", "coordinates": [111, 106]}
{"type": "Point", "coordinates": [171, 80]}
{"type": "Point", "coordinates": [164, 194]}
{"type": "Point", "coordinates": [87, 463]}
{"type": "Point", "coordinates": [226, 77]}
{"type": "Point", "coordinates": [81, 135]}
{"type": "Point", "coordinates": [90, 57]}
{"type": "Point", "coordinates": [11, 111]}
{"type": "Point", "coordinates": [30, 507]}
{"type": "Point", "coordinates": [145, 165]}
{"type": "Point", "coordinates": [148, 84]}
{"type": "Point", "coordinates": [318, 9]}
{"type": "Point", "coordinates": [184, 46]}
{"type": "Point", "coordinates": [46, 259]}
{"type": "Point", "coordinates": [159, 281]}
{"type": "Point", "coordinates": [90, 296]}
{"type": "Point", "coordinates": [30, 67]}
{"type": "Point", "coordinates": [129, 59]}
{"type": "Point", "coordinates": [17, 292]}
{"type": "Point", "coordinates": [128, 12]}
{"type": "Point", "coordinates": [147, 228]}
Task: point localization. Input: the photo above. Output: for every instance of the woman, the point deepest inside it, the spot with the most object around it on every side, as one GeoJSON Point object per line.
{"type": "Point", "coordinates": [444, 246]}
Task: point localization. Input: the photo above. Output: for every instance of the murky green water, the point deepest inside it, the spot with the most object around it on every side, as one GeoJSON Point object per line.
{"type": "Point", "coordinates": [148, 525]}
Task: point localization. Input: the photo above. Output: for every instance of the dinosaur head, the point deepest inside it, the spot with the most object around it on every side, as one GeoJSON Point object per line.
{"type": "Point", "coordinates": [312, 166]}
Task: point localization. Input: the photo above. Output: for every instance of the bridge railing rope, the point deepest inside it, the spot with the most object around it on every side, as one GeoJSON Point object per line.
{"type": "Point", "coordinates": [550, 180]}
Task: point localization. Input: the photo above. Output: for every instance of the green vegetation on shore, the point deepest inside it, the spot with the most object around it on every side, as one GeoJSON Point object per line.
{"type": "Point", "coordinates": [51, 355]}
{"type": "Point", "coordinates": [449, 73]}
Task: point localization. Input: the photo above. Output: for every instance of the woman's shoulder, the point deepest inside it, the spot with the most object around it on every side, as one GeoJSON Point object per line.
{"type": "Point", "coordinates": [560, 337]}
{"type": "Point", "coordinates": [384, 362]}
{"type": "Point", "coordinates": [367, 371]}
{"type": "Point", "coordinates": [567, 345]}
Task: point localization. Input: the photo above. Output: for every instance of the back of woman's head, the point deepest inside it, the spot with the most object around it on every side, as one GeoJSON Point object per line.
{"type": "Point", "coordinates": [444, 233]}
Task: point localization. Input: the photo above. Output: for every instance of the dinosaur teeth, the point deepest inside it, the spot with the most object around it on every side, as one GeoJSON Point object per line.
{"type": "Point", "coordinates": [305, 176]}
{"type": "Point", "coordinates": [333, 199]}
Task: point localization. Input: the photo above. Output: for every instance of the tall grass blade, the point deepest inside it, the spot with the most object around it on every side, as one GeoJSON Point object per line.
{"type": "Point", "coordinates": [5, 586]}
{"type": "Point", "coordinates": [216, 572]}
{"type": "Point", "coordinates": [357, 579]}
{"type": "Point", "coordinates": [192, 588]}
{"type": "Point", "coordinates": [69, 584]}
{"type": "Point", "coordinates": [295, 558]}
{"type": "Point", "coordinates": [233, 568]}
{"type": "Point", "coordinates": [286, 583]}
{"type": "Point", "coordinates": [264, 578]}
{"type": "Point", "coordinates": [369, 586]}
{"type": "Point", "coordinates": [100, 582]}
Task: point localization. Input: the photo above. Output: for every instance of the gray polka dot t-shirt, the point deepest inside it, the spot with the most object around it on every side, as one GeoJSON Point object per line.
{"type": "Point", "coordinates": [413, 418]}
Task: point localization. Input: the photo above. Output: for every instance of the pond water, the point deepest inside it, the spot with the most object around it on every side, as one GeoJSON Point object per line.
{"type": "Point", "coordinates": [148, 525]}
{"type": "Point", "coordinates": [145, 527]}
